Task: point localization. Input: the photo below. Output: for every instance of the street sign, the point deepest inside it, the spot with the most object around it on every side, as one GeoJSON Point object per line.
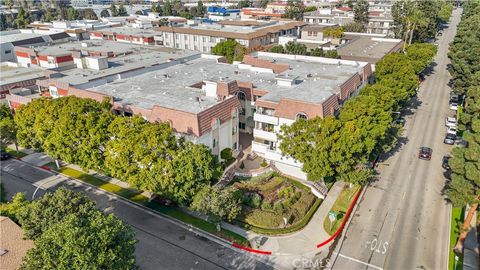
{"type": "Point", "coordinates": [332, 216]}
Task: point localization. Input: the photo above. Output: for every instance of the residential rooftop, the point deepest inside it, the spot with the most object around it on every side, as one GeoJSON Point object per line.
{"type": "Point", "coordinates": [315, 78]}
{"type": "Point", "coordinates": [129, 31]}
{"type": "Point", "coordinates": [12, 74]}
{"type": "Point", "coordinates": [234, 28]}
{"type": "Point", "coordinates": [12, 242]}
{"type": "Point", "coordinates": [364, 46]}
{"type": "Point", "coordinates": [118, 65]}
{"type": "Point", "coordinates": [16, 35]}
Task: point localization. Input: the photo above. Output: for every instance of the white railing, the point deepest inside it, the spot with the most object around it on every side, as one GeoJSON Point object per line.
{"type": "Point", "coordinates": [277, 157]}
{"type": "Point", "coordinates": [265, 118]}
{"type": "Point", "coordinates": [267, 135]}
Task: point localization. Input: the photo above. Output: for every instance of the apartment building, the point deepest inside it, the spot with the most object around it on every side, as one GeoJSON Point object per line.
{"type": "Point", "coordinates": [367, 47]}
{"type": "Point", "coordinates": [220, 13]}
{"type": "Point", "coordinates": [125, 34]}
{"type": "Point", "coordinates": [204, 36]}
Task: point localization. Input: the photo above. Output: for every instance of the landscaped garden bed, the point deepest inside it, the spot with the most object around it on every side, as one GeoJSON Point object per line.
{"type": "Point", "coordinates": [340, 208]}
{"type": "Point", "coordinates": [274, 204]}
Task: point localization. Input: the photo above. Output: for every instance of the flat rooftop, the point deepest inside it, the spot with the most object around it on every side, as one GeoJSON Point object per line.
{"type": "Point", "coordinates": [16, 35]}
{"type": "Point", "coordinates": [152, 57]}
{"type": "Point", "coordinates": [171, 87]}
{"type": "Point", "coordinates": [13, 74]}
{"type": "Point", "coordinates": [128, 31]}
{"type": "Point", "coordinates": [96, 45]}
{"type": "Point", "coordinates": [368, 47]}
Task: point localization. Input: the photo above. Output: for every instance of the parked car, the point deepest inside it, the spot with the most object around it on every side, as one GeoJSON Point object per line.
{"type": "Point", "coordinates": [400, 121]}
{"type": "Point", "coordinates": [451, 122]}
{"type": "Point", "coordinates": [453, 97]}
{"type": "Point", "coordinates": [454, 106]}
{"type": "Point", "coordinates": [452, 130]}
{"type": "Point", "coordinates": [445, 164]}
{"type": "Point", "coordinates": [425, 153]}
{"type": "Point", "coordinates": [450, 139]}
{"type": "Point", "coordinates": [4, 155]}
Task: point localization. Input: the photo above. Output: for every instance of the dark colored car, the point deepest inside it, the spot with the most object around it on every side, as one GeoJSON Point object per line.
{"type": "Point", "coordinates": [450, 139]}
{"type": "Point", "coordinates": [4, 155]}
{"type": "Point", "coordinates": [425, 153]}
{"type": "Point", "coordinates": [445, 164]}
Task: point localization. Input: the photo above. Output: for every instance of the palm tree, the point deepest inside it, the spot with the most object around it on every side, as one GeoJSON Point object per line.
{"type": "Point", "coordinates": [413, 21]}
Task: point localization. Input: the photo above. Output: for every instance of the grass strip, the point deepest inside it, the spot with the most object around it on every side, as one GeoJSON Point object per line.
{"type": "Point", "coordinates": [15, 153]}
{"type": "Point", "coordinates": [457, 216]}
{"type": "Point", "coordinates": [340, 207]}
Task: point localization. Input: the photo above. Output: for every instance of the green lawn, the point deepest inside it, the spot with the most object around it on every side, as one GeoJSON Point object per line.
{"type": "Point", "coordinates": [457, 216]}
{"type": "Point", "coordinates": [137, 197]}
{"type": "Point", "coordinates": [340, 207]}
{"type": "Point", "coordinates": [14, 153]}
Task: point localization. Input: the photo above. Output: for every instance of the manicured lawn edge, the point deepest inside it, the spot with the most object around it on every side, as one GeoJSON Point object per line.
{"type": "Point", "coordinates": [457, 215]}
{"type": "Point", "coordinates": [15, 153]}
{"type": "Point", "coordinates": [135, 196]}
{"type": "Point", "coordinates": [342, 202]}
{"type": "Point", "coordinates": [281, 231]}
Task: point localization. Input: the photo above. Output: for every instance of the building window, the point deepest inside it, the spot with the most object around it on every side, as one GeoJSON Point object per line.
{"type": "Point", "coordinates": [234, 146]}
{"type": "Point", "coordinates": [194, 38]}
{"type": "Point", "coordinates": [241, 125]}
{"type": "Point", "coordinates": [301, 116]}
{"type": "Point", "coordinates": [241, 111]}
{"type": "Point", "coordinates": [214, 143]}
{"type": "Point", "coordinates": [212, 39]}
{"type": "Point", "coordinates": [234, 130]}
{"type": "Point", "coordinates": [186, 37]}
{"type": "Point", "coordinates": [241, 96]}
{"type": "Point", "coordinates": [8, 51]}
{"type": "Point", "coordinates": [53, 92]}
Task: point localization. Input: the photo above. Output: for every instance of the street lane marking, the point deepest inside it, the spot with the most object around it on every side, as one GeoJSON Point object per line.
{"type": "Point", "coordinates": [358, 261]}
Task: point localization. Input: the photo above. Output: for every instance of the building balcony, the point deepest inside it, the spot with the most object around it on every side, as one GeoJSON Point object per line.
{"type": "Point", "coordinates": [259, 148]}
{"type": "Point", "coordinates": [267, 135]}
{"type": "Point", "coordinates": [265, 118]}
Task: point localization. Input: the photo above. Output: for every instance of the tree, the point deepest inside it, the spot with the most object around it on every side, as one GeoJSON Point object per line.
{"type": "Point", "coordinates": [98, 241]}
{"type": "Point", "coordinates": [354, 27]}
{"type": "Point", "coordinates": [264, 3]}
{"type": "Point", "coordinates": [89, 14]}
{"type": "Point", "coordinates": [51, 209]}
{"type": "Point", "coordinates": [277, 49]}
{"type": "Point", "coordinates": [421, 55]}
{"type": "Point", "coordinates": [167, 8]}
{"type": "Point", "coordinates": [334, 32]}
{"type": "Point", "coordinates": [72, 14]}
{"type": "Point", "coordinates": [295, 10]}
{"type": "Point", "coordinates": [3, 22]}
{"type": "Point", "coordinates": [113, 10]}
{"type": "Point", "coordinates": [224, 204]}
{"type": "Point", "coordinates": [22, 19]}
{"type": "Point", "coordinates": [243, 4]}
{"type": "Point", "coordinates": [200, 10]}
{"type": "Point", "coordinates": [156, 7]}
{"type": "Point", "coordinates": [12, 208]}
{"type": "Point", "coordinates": [331, 54]}
{"type": "Point", "coordinates": [122, 11]}
{"type": "Point", "coordinates": [317, 52]}
{"type": "Point", "coordinates": [8, 129]}
{"type": "Point", "coordinates": [360, 10]}
{"type": "Point", "coordinates": [104, 13]}
{"type": "Point", "coordinates": [140, 152]}
{"type": "Point", "coordinates": [192, 168]}
{"type": "Point", "coordinates": [445, 12]}
{"type": "Point", "coordinates": [310, 9]}
{"type": "Point", "coordinates": [231, 49]}
{"type": "Point", "coordinates": [295, 48]}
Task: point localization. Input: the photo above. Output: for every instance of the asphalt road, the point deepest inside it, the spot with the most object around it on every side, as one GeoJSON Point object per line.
{"type": "Point", "coordinates": [162, 244]}
{"type": "Point", "coordinates": [403, 220]}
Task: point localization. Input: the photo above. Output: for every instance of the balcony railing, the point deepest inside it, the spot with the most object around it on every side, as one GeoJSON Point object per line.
{"type": "Point", "coordinates": [267, 135]}
{"type": "Point", "coordinates": [265, 118]}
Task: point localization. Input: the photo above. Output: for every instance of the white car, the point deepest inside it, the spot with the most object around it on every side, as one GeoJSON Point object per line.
{"type": "Point", "coordinates": [452, 130]}
{"type": "Point", "coordinates": [451, 122]}
{"type": "Point", "coordinates": [453, 106]}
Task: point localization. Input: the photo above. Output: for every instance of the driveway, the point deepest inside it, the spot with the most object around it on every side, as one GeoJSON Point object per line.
{"type": "Point", "coordinates": [403, 220]}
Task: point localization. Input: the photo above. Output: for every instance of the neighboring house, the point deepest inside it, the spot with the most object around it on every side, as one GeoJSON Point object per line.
{"type": "Point", "coordinates": [125, 34]}
{"type": "Point", "coordinates": [10, 39]}
{"type": "Point", "coordinates": [219, 13]}
{"type": "Point", "coordinates": [15, 77]}
{"type": "Point", "coordinates": [204, 36]}
{"type": "Point", "coordinates": [367, 47]}
{"type": "Point", "coordinates": [13, 245]}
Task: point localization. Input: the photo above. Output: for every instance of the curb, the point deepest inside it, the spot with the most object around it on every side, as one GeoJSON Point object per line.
{"type": "Point", "coordinates": [347, 215]}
